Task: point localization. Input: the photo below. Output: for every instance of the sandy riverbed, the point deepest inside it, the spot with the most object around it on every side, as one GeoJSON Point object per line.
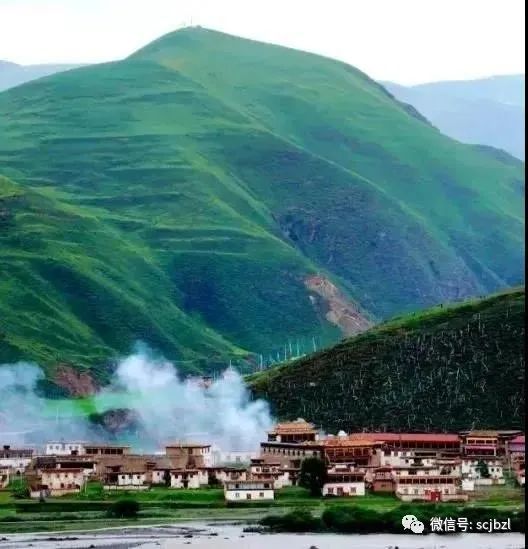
{"type": "Point", "coordinates": [203, 536]}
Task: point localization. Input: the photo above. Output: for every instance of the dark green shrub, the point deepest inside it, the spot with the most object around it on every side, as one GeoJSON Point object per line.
{"type": "Point", "coordinates": [124, 508]}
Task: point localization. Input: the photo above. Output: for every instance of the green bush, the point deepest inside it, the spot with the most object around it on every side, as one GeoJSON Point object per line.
{"type": "Point", "coordinates": [124, 508]}
{"type": "Point", "coordinates": [298, 520]}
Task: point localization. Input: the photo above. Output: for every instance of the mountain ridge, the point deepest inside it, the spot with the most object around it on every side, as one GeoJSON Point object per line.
{"type": "Point", "coordinates": [488, 111]}
{"type": "Point", "coordinates": [236, 171]}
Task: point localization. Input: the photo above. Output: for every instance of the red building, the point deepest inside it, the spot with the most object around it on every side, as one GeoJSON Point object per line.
{"type": "Point", "coordinates": [480, 443]}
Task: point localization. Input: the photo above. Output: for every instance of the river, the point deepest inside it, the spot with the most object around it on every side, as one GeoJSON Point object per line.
{"type": "Point", "coordinates": [218, 536]}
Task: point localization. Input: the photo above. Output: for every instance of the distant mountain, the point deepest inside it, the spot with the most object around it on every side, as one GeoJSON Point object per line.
{"type": "Point", "coordinates": [12, 75]}
{"type": "Point", "coordinates": [448, 368]}
{"type": "Point", "coordinates": [489, 111]}
{"type": "Point", "coordinates": [215, 196]}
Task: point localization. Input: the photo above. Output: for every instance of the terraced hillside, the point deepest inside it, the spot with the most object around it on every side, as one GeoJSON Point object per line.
{"type": "Point", "coordinates": [443, 369]}
{"type": "Point", "coordinates": [190, 195]}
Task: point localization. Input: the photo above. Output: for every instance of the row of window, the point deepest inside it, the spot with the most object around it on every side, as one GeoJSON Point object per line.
{"type": "Point", "coordinates": [249, 495]}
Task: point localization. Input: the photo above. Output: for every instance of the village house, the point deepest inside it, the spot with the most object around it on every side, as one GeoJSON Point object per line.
{"type": "Point", "coordinates": [343, 481]}
{"type": "Point", "coordinates": [64, 449]}
{"type": "Point", "coordinates": [125, 477]}
{"type": "Point", "coordinates": [428, 488]}
{"type": "Point", "coordinates": [189, 478]}
{"type": "Point", "coordinates": [59, 482]}
{"type": "Point", "coordinates": [219, 474]}
{"type": "Point", "coordinates": [473, 469]}
{"type": "Point", "coordinates": [235, 490]}
{"type": "Point", "coordinates": [41, 463]}
{"type": "Point", "coordinates": [190, 455]}
{"type": "Point", "coordinates": [16, 459]}
{"type": "Point", "coordinates": [260, 469]}
{"type": "Point", "coordinates": [382, 480]}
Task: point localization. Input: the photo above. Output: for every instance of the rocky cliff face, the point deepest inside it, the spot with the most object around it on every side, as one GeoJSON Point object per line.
{"type": "Point", "coordinates": [338, 309]}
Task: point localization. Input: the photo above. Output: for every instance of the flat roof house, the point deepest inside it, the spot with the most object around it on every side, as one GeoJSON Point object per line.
{"type": "Point", "coordinates": [191, 455]}
{"type": "Point", "coordinates": [344, 482]}
{"type": "Point", "coordinates": [249, 490]}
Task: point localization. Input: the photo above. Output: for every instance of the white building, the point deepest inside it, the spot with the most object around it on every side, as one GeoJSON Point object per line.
{"type": "Point", "coordinates": [132, 479]}
{"type": "Point", "coordinates": [428, 488]}
{"type": "Point", "coordinates": [16, 459]}
{"type": "Point", "coordinates": [189, 478]}
{"type": "Point", "coordinates": [344, 481]}
{"type": "Point", "coordinates": [65, 449]}
{"type": "Point", "coordinates": [248, 490]}
{"type": "Point", "coordinates": [57, 482]}
{"type": "Point", "coordinates": [405, 458]}
{"type": "Point", "coordinates": [471, 469]}
{"type": "Point", "coordinates": [220, 457]}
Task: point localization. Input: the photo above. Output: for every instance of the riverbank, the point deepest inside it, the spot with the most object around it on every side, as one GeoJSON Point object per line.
{"type": "Point", "coordinates": [232, 536]}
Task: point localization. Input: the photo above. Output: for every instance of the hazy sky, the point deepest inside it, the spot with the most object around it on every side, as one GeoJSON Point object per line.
{"type": "Point", "coordinates": [407, 41]}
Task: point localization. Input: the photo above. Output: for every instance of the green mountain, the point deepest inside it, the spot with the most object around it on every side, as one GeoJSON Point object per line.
{"type": "Point", "coordinates": [442, 369]}
{"type": "Point", "coordinates": [215, 196]}
{"type": "Point", "coordinates": [489, 111]}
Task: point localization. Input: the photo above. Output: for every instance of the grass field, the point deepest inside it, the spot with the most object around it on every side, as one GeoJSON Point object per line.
{"type": "Point", "coordinates": [161, 505]}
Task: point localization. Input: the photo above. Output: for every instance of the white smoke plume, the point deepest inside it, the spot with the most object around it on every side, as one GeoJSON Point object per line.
{"type": "Point", "coordinates": [165, 407]}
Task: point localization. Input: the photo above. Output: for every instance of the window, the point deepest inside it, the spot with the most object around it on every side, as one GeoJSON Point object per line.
{"type": "Point", "coordinates": [237, 494]}
{"type": "Point", "coordinates": [248, 495]}
{"type": "Point", "coordinates": [261, 494]}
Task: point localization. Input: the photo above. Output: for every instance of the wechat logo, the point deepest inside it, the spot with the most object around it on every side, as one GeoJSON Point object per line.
{"type": "Point", "coordinates": [410, 522]}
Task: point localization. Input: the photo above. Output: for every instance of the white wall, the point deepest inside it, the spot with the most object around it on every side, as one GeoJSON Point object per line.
{"type": "Point", "coordinates": [242, 495]}
{"type": "Point", "coordinates": [349, 488]}
{"type": "Point", "coordinates": [193, 480]}
{"type": "Point", "coordinates": [470, 468]}
{"type": "Point", "coordinates": [53, 480]}
{"type": "Point", "coordinates": [131, 479]}
{"type": "Point", "coordinates": [15, 463]}
{"type": "Point", "coordinates": [420, 489]}
{"type": "Point", "coordinates": [64, 448]}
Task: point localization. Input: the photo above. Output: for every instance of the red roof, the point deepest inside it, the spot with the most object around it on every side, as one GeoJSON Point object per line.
{"type": "Point", "coordinates": [408, 437]}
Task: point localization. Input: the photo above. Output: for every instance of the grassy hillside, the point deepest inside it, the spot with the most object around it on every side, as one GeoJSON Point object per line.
{"type": "Point", "coordinates": [443, 369]}
{"type": "Point", "coordinates": [206, 178]}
